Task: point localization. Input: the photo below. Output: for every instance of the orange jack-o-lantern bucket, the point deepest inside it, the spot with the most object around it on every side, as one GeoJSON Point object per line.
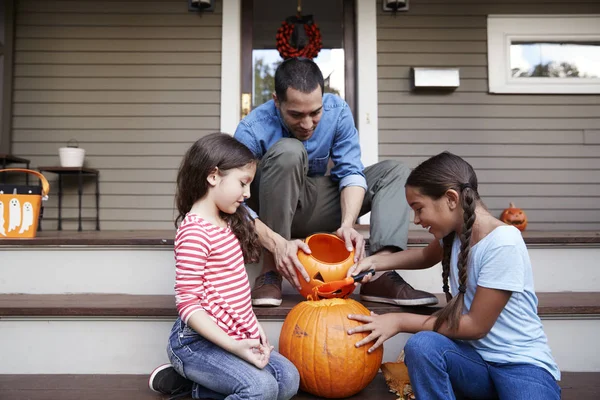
{"type": "Point", "coordinates": [329, 261]}
{"type": "Point", "coordinates": [20, 206]}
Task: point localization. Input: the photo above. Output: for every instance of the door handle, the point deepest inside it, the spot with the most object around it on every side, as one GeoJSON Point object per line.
{"type": "Point", "coordinates": [246, 104]}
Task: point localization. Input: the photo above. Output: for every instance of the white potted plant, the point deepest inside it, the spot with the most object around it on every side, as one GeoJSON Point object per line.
{"type": "Point", "coordinates": [72, 155]}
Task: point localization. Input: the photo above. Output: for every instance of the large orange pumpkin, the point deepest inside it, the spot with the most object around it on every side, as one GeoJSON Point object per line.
{"type": "Point", "coordinates": [514, 216]}
{"type": "Point", "coordinates": [314, 338]}
{"type": "Point", "coordinates": [329, 261]}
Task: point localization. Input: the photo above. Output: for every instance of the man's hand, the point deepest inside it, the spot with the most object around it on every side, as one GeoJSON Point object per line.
{"type": "Point", "coordinates": [354, 241]}
{"type": "Point", "coordinates": [287, 263]}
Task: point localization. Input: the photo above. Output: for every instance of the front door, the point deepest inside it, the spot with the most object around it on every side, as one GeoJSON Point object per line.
{"type": "Point", "coordinates": [260, 21]}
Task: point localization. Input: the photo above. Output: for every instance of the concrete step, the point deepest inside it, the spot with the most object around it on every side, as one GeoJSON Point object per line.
{"type": "Point", "coordinates": [126, 334]}
{"type": "Point", "coordinates": [150, 270]}
{"type": "Point", "coordinates": [575, 386]}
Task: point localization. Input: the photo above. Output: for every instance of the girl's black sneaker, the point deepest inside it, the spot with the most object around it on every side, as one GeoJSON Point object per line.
{"type": "Point", "coordinates": [164, 379]}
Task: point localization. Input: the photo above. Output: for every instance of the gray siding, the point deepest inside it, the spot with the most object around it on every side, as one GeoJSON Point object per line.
{"type": "Point", "coordinates": [541, 152]}
{"type": "Point", "coordinates": [135, 82]}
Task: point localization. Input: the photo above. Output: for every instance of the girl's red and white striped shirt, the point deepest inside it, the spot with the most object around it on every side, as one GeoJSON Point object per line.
{"type": "Point", "coordinates": [210, 275]}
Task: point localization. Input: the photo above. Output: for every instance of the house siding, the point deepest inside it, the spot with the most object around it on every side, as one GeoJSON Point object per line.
{"type": "Point", "coordinates": [134, 82]}
{"type": "Point", "coordinates": [539, 151]}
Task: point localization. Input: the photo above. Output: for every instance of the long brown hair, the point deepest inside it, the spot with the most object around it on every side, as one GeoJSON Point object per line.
{"type": "Point", "coordinates": [434, 177]}
{"type": "Point", "coordinates": [217, 150]}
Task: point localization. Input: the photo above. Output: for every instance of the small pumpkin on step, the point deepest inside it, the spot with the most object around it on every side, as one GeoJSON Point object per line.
{"type": "Point", "coordinates": [514, 216]}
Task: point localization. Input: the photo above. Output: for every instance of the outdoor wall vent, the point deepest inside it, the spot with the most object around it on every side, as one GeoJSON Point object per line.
{"type": "Point", "coordinates": [434, 78]}
{"type": "Point", "coordinates": [395, 5]}
{"type": "Point", "coordinates": [201, 5]}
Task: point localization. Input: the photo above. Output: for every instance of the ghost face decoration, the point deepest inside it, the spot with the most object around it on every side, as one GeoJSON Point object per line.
{"type": "Point", "coordinates": [27, 217]}
{"type": "Point", "coordinates": [14, 214]}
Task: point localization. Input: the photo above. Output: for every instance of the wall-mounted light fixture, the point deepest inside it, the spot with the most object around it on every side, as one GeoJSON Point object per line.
{"type": "Point", "coordinates": [395, 5]}
{"type": "Point", "coordinates": [201, 5]}
{"type": "Point", "coordinates": [436, 78]}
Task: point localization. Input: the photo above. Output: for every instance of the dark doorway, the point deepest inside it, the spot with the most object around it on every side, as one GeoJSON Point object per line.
{"type": "Point", "coordinates": [260, 21]}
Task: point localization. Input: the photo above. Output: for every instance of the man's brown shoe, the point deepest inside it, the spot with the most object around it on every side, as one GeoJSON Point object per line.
{"type": "Point", "coordinates": [392, 289]}
{"type": "Point", "coordinates": [267, 290]}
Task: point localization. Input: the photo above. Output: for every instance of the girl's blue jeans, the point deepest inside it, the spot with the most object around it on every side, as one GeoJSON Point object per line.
{"type": "Point", "coordinates": [218, 374]}
{"type": "Point", "coordinates": [441, 368]}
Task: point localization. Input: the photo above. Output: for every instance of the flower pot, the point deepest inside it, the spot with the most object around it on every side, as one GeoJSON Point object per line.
{"type": "Point", "coordinates": [72, 155]}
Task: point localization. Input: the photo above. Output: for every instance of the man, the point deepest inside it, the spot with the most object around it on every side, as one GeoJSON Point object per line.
{"type": "Point", "coordinates": [295, 135]}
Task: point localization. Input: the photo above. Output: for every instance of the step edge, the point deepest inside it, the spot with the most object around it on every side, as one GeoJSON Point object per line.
{"type": "Point", "coordinates": [125, 305]}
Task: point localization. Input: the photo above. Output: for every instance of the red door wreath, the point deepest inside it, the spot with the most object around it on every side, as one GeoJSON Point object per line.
{"type": "Point", "coordinates": [299, 36]}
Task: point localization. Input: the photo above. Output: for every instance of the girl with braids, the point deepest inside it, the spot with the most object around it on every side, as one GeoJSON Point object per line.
{"type": "Point", "coordinates": [488, 341]}
{"type": "Point", "coordinates": [217, 347]}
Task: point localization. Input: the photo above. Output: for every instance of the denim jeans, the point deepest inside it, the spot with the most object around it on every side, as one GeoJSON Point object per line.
{"type": "Point", "coordinates": [218, 374]}
{"type": "Point", "coordinates": [441, 368]}
{"type": "Point", "coordinates": [294, 204]}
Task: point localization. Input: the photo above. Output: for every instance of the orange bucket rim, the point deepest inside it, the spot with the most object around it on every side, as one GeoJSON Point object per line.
{"type": "Point", "coordinates": [350, 253]}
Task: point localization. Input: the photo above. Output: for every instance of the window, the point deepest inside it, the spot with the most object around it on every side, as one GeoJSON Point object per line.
{"type": "Point", "coordinates": [544, 54]}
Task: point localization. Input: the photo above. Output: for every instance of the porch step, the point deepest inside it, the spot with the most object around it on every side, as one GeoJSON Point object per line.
{"type": "Point", "coordinates": [150, 270]}
{"type": "Point", "coordinates": [124, 305]}
{"type": "Point", "coordinates": [126, 334]}
{"type": "Point", "coordinates": [142, 263]}
{"type": "Point", "coordinates": [103, 302]}
{"type": "Point", "coordinates": [575, 386]}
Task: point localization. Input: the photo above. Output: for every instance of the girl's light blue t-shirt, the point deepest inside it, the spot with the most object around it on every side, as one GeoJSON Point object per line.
{"type": "Point", "coordinates": [501, 261]}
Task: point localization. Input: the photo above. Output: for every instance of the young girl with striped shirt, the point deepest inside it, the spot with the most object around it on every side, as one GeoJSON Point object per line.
{"type": "Point", "coordinates": [217, 347]}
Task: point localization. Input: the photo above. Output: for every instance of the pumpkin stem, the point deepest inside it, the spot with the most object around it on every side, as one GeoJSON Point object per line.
{"type": "Point", "coordinates": [511, 205]}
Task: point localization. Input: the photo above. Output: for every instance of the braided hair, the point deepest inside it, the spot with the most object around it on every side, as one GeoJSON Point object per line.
{"type": "Point", "coordinates": [434, 177]}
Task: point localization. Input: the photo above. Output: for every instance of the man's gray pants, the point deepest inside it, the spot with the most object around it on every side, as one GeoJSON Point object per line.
{"type": "Point", "coordinates": [295, 205]}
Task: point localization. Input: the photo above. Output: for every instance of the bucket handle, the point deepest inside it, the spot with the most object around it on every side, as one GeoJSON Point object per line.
{"type": "Point", "coordinates": [45, 184]}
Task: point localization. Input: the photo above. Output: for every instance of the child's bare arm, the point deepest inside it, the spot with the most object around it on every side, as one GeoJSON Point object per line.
{"type": "Point", "coordinates": [420, 258]}
{"type": "Point", "coordinates": [485, 310]}
{"type": "Point", "coordinates": [250, 350]}
{"type": "Point", "coordinates": [205, 326]}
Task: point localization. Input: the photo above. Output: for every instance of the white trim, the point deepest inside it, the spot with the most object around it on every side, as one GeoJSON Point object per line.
{"type": "Point", "coordinates": [231, 65]}
{"type": "Point", "coordinates": [367, 115]}
{"type": "Point", "coordinates": [366, 80]}
{"type": "Point", "coordinates": [503, 29]}
{"type": "Point", "coordinates": [366, 84]}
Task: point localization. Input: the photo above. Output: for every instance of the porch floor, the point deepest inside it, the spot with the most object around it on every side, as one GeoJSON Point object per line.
{"type": "Point", "coordinates": [575, 385]}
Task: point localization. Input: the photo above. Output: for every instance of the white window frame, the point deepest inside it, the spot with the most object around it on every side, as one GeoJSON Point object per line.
{"type": "Point", "coordinates": [502, 30]}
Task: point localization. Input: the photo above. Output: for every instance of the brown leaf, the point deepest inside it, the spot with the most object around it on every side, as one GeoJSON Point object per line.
{"type": "Point", "coordinates": [396, 377]}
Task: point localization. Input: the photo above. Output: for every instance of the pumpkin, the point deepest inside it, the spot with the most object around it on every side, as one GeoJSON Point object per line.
{"type": "Point", "coordinates": [514, 216]}
{"type": "Point", "coordinates": [329, 261]}
{"type": "Point", "coordinates": [314, 338]}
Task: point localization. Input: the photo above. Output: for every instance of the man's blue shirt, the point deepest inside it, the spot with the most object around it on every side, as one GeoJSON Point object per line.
{"type": "Point", "coordinates": [335, 137]}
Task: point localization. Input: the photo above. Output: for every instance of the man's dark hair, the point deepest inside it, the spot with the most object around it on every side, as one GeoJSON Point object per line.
{"type": "Point", "coordinates": [298, 73]}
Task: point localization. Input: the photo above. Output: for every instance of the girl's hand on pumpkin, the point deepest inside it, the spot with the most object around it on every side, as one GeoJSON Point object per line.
{"type": "Point", "coordinates": [287, 263]}
{"type": "Point", "coordinates": [381, 328]}
{"type": "Point", "coordinates": [354, 241]}
{"type": "Point", "coordinates": [363, 265]}
{"type": "Point", "coordinates": [254, 352]}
